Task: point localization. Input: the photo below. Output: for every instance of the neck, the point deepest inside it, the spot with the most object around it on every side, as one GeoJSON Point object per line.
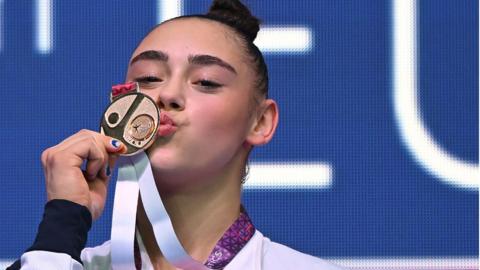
{"type": "Point", "coordinates": [199, 218]}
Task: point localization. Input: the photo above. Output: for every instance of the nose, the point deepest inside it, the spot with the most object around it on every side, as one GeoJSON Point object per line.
{"type": "Point", "coordinates": [171, 97]}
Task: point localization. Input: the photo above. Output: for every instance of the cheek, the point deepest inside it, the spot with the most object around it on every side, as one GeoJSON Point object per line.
{"type": "Point", "coordinates": [222, 121]}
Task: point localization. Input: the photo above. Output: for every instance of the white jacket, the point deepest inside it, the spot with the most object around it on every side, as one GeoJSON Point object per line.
{"type": "Point", "coordinates": [258, 253]}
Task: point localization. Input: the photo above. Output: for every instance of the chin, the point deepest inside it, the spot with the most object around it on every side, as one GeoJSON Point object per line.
{"type": "Point", "coordinates": [167, 162]}
{"type": "Point", "coordinates": [163, 161]}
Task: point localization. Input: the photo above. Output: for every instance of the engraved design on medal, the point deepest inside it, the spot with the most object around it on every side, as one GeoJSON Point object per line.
{"type": "Point", "coordinates": [141, 127]}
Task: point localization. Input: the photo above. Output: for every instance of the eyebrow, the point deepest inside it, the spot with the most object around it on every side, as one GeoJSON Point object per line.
{"type": "Point", "coordinates": [207, 60]}
{"type": "Point", "coordinates": [200, 59]}
{"type": "Point", "coordinates": [150, 55]}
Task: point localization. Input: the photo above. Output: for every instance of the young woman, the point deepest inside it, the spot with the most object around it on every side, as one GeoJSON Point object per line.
{"type": "Point", "coordinates": [210, 82]}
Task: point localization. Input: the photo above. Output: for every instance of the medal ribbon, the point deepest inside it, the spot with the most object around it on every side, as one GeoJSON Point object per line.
{"type": "Point", "coordinates": [134, 175]}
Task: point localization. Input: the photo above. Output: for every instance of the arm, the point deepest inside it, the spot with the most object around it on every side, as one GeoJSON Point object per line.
{"type": "Point", "coordinates": [61, 236]}
{"type": "Point", "coordinates": [74, 198]}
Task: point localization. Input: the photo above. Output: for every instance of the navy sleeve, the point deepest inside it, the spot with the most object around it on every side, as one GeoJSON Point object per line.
{"type": "Point", "coordinates": [63, 229]}
{"type": "Point", "coordinates": [15, 266]}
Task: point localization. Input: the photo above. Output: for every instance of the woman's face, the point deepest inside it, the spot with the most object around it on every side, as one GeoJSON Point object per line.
{"type": "Point", "coordinates": [197, 73]}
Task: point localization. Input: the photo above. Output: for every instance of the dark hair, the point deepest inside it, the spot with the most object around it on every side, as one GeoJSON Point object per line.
{"type": "Point", "coordinates": [238, 17]}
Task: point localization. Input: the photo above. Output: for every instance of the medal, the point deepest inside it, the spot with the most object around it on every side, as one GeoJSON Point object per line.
{"type": "Point", "coordinates": [132, 118]}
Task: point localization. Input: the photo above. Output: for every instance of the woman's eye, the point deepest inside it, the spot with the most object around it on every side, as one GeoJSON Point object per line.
{"type": "Point", "coordinates": [148, 79]}
{"type": "Point", "coordinates": [208, 84]}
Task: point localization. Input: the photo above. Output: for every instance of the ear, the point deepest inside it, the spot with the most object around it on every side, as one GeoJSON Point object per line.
{"type": "Point", "coordinates": [265, 123]}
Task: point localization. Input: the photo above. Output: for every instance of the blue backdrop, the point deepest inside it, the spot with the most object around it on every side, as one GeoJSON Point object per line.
{"type": "Point", "coordinates": [336, 107]}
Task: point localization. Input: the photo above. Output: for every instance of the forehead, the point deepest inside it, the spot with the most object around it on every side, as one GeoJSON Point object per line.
{"type": "Point", "coordinates": [193, 36]}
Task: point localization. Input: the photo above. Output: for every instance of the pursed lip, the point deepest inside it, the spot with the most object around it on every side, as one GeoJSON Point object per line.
{"type": "Point", "coordinates": [167, 125]}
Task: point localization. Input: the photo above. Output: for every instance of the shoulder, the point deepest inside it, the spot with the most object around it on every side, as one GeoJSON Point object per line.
{"type": "Point", "coordinates": [278, 256]}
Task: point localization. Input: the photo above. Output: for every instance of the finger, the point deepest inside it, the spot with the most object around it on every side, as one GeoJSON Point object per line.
{"type": "Point", "coordinates": [98, 195]}
{"type": "Point", "coordinates": [97, 167]}
{"type": "Point", "coordinates": [85, 149]}
{"type": "Point", "coordinates": [113, 148]}
{"type": "Point", "coordinates": [113, 145]}
{"type": "Point", "coordinates": [110, 144]}
{"type": "Point", "coordinates": [111, 164]}
{"type": "Point", "coordinates": [74, 139]}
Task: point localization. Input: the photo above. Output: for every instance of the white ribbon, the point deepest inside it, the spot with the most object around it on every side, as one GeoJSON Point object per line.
{"type": "Point", "coordinates": [124, 217]}
{"type": "Point", "coordinates": [134, 175]}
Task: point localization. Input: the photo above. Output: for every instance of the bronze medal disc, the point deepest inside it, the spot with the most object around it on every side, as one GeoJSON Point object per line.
{"type": "Point", "coordinates": [133, 119]}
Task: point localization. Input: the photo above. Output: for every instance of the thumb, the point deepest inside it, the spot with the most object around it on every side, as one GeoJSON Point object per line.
{"type": "Point", "coordinates": [114, 146]}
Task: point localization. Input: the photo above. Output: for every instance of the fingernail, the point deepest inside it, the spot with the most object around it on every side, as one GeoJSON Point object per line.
{"type": "Point", "coordinates": [115, 143]}
{"type": "Point", "coordinates": [108, 172]}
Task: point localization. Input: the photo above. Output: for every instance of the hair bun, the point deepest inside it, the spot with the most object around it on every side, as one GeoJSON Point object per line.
{"type": "Point", "coordinates": [236, 15]}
